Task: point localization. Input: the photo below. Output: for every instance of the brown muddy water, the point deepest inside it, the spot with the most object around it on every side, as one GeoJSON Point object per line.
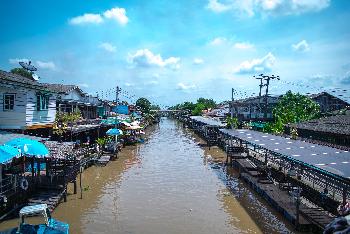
{"type": "Point", "coordinates": [169, 184]}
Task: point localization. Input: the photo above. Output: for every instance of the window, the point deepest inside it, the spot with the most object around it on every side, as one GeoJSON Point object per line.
{"type": "Point", "coordinates": [42, 102]}
{"type": "Point", "coordinates": [9, 102]}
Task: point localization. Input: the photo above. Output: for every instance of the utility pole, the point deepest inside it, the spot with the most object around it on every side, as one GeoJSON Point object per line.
{"type": "Point", "coordinates": [117, 90]}
{"type": "Point", "coordinates": [232, 99]}
{"type": "Point", "coordinates": [265, 78]}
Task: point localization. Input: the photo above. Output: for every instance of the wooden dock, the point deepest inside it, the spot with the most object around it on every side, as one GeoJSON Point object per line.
{"type": "Point", "coordinates": [103, 160]}
{"type": "Point", "coordinates": [281, 200]}
{"type": "Point", "coordinates": [49, 197]}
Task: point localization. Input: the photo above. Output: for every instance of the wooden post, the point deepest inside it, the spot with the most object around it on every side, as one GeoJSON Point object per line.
{"type": "Point", "coordinates": [297, 210]}
{"type": "Point", "coordinates": [75, 186]}
{"type": "Point", "coordinates": [65, 193]}
{"type": "Point", "coordinates": [81, 186]}
{"type": "Point", "coordinates": [32, 165]}
{"type": "Point", "coordinates": [0, 178]}
{"type": "Point", "coordinates": [38, 167]}
{"type": "Point", "coordinates": [344, 195]}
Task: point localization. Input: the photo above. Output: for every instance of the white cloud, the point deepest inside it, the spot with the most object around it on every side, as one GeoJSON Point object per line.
{"type": "Point", "coordinates": [217, 7]}
{"type": "Point", "coordinates": [146, 58]}
{"type": "Point", "coordinates": [46, 65]}
{"type": "Point", "coordinates": [17, 60]}
{"type": "Point", "coordinates": [182, 86]}
{"type": "Point", "coordinates": [243, 45]}
{"type": "Point", "coordinates": [346, 79]}
{"type": "Point", "coordinates": [129, 84]}
{"type": "Point", "coordinates": [301, 46]}
{"type": "Point", "coordinates": [86, 19]}
{"type": "Point", "coordinates": [117, 14]}
{"type": "Point", "coordinates": [198, 61]}
{"type": "Point", "coordinates": [108, 47]}
{"type": "Point", "coordinates": [264, 64]}
{"type": "Point", "coordinates": [152, 82]}
{"type": "Point", "coordinates": [84, 85]}
{"type": "Point", "coordinates": [268, 7]}
{"type": "Point", "coordinates": [295, 7]}
{"type": "Point", "coordinates": [218, 41]}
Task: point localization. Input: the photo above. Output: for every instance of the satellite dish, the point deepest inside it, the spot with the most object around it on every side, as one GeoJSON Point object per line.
{"type": "Point", "coordinates": [28, 66]}
{"type": "Point", "coordinates": [35, 77]}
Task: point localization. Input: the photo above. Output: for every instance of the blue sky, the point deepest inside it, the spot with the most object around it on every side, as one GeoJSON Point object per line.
{"type": "Point", "coordinates": [173, 51]}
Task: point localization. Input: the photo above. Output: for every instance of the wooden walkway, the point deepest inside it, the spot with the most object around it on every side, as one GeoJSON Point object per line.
{"type": "Point", "coordinates": [103, 160]}
{"type": "Point", "coordinates": [281, 200]}
{"type": "Point", "coordinates": [49, 197]}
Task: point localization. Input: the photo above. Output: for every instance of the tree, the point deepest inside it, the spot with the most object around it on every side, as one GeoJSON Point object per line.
{"type": "Point", "coordinates": [154, 107]}
{"type": "Point", "coordinates": [208, 103]}
{"type": "Point", "coordinates": [293, 108]}
{"type": "Point", "coordinates": [144, 104]}
{"type": "Point", "coordinates": [22, 72]}
{"type": "Point", "coordinates": [198, 109]}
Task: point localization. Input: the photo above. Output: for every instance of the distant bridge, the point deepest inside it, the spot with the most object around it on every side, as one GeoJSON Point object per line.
{"type": "Point", "coordinates": [165, 113]}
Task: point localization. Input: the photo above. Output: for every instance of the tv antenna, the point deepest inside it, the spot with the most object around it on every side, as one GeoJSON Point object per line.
{"type": "Point", "coordinates": [28, 66]}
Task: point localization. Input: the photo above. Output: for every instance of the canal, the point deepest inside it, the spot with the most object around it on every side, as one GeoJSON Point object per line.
{"type": "Point", "coordinates": [169, 184]}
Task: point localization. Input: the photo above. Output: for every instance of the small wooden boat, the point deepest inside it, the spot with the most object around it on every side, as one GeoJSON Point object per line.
{"type": "Point", "coordinates": [50, 225]}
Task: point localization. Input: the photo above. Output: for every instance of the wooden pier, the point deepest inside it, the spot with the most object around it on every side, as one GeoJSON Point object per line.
{"type": "Point", "coordinates": [267, 173]}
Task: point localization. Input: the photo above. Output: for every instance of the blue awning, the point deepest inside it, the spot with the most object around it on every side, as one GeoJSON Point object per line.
{"type": "Point", "coordinates": [7, 153]}
{"type": "Point", "coordinates": [29, 147]}
{"type": "Point", "coordinates": [114, 132]}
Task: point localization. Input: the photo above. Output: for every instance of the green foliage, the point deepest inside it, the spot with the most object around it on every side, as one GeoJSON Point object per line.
{"type": "Point", "coordinates": [294, 133]}
{"type": "Point", "coordinates": [144, 104]}
{"type": "Point", "coordinates": [232, 122]}
{"type": "Point", "coordinates": [155, 107]}
{"type": "Point", "coordinates": [198, 109]}
{"type": "Point", "coordinates": [62, 119]}
{"type": "Point", "coordinates": [292, 108]}
{"type": "Point", "coordinates": [102, 141]}
{"type": "Point", "coordinates": [208, 103]}
{"type": "Point", "coordinates": [22, 72]}
{"type": "Point", "coordinates": [195, 108]}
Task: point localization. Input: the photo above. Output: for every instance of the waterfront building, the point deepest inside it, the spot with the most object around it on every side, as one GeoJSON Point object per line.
{"type": "Point", "coordinates": [25, 103]}
{"type": "Point", "coordinates": [71, 98]}
{"type": "Point", "coordinates": [333, 129]}
{"type": "Point", "coordinates": [253, 108]}
{"type": "Point", "coordinates": [328, 102]}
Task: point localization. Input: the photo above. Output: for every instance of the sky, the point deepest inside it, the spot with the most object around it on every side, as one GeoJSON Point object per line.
{"type": "Point", "coordinates": [176, 51]}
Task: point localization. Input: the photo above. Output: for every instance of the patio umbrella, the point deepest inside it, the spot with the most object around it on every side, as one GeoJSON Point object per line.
{"type": "Point", "coordinates": [126, 124]}
{"type": "Point", "coordinates": [29, 147]}
{"type": "Point", "coordinates": [7, 153]}
{"type": "Point", "coordinates": [114, 132]}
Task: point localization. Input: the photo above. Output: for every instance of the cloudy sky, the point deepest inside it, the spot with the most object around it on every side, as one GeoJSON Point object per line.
{"type": "Point", "coordinates": [173, 51]}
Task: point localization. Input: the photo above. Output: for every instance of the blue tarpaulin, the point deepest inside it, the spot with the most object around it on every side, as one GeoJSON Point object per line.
{"type": "Point", "coordinates": [121, 109]}
{"type": "Point", "coordinates": [114, 132]}
{"type": "Point", "coordinates": [7, 153]}
{"type": "Point", "coordinates": [29, 147]}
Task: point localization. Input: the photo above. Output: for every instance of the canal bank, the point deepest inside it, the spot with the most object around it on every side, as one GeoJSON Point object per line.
{"type": "Point", "coordinates": [169, 184]}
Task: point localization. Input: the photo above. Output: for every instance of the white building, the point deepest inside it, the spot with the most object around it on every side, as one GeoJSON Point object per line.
{"type": "Point", "coordinates": [25, 103]}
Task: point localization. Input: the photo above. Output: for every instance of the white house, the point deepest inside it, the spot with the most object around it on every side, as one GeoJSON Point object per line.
{"type": "Point", "coordinates": [71, 98]}
{"type": "Point", "coordinates": [25, 103]}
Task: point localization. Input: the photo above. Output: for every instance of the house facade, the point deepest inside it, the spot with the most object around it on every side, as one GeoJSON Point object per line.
{"type": "Point", "coordinates": [25, 103]}
{"type": "Point", "coordinates": [71, 98]}
{"type": "Point", "coordinates": [253, 108]}
{"type": "Point", "coordinates": [328, 102]}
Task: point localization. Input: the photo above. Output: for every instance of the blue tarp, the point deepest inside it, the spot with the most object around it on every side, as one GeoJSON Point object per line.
{"type": "Point", "coordinates": [7, 153]}
{"type": "Point", "coordinates": [114, 132]}
{"type": "Point", "coordinates": [29, 147]}
{"type": "Point", "coordinates": [121, 109]}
